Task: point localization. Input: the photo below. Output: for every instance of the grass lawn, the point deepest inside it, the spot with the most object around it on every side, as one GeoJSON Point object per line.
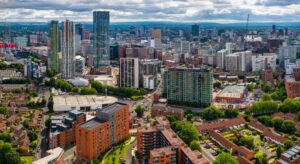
{"type": "Point", "coordinates": [117, 153]}
{"type": "Point", "coordinates": [27, 159]}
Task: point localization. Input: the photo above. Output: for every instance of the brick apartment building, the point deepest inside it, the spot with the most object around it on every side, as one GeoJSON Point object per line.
{"type": "Point", "coordinates": [160, 144]}
{"type": "Point", "coordinates": [63, 128]}
{"type": "Point", "coordinates": [110, 126]}
{"type": "Point", "coordinates": [292, 84]}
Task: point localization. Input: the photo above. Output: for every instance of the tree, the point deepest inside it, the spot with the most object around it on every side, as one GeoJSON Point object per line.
{"type": "Point", "coordinates": [260, 158]}
{"type": "Point", "coordinates": [8, 155]}
{"type": "Point", "coordinates": [88, 91]}
{"type": "Point", "coordinates": [250, 87]}
{"type": "Point", "coordinates": [264, 107]}
{"type": "Point", "coordinates": [277, 123]}
{"type": "Point", "coordinates": [287, 144]}
{"type": "Point", "coordinates": [266, 97]}
{"type": "Point", "coordinates": [288, 126]}
{"type": "Point", "coordinates": [266, 120]}
{"type": "Point", "coordinates": [298, 116]}
{"type": "Point", "coordinates": [48, 123]}
{"type": "Point", "coordinates": [50, 104]}
{"type": "Point", "coordinates": [189, 117]}
{"type": "Point", "coordinates": [139, 111]}
{"type": "Point", "coordinates": [3, 110]}
{"type": "Point", "coordinates": [247, 141]}
{"type": "Point", "coordinates": [5, 137]}
{"type": "Point", "coordinates": [231, 113]}
{"type": "Point", "coordinates": [278, 151]}
{"type": "Point", "coordinates": [32, 135]}
{"type": "Point", "coordinates": [217, 84]}
{"type": "Point", "coordinates": [290, 105]}
{"type": "Point", "coordinates": [12, 157]}
{"type": "Point", "coordinates": [195, 145]}
{"type": "Point", "coordinates": [186, 131]}
{"type": "Point", "coordinates": [225, 158]}
{"type": "Point", "coordinates": [266, 88]}
{"type": "Point", "coordinates": [172, 118]}
{"type": "Point", "coordinates": [211, 113]}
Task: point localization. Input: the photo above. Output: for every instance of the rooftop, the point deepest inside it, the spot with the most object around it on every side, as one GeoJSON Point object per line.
{"type": "Point", "coordinates": [91, 124]}
{"type": "Point", "coordinates": [110, 109]}
{"type": "Point", "coordinates": [83, 100]}
{"type": "Point", "coordinates": [162, 152]}
{"type": "Point", "coordinates": [53, 154]}
{"type": "Point", "coordinates": [224, 124]}
{"type": "Point", "coordinates": [233, 91]}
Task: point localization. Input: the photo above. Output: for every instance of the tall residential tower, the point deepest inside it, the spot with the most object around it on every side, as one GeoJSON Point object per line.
{"type": "Point", "coordinates": [68, 49]}
{"type": "Point", "coordinates": [54, 46]}
{"type": "Point", "coordinates": [101, 39]}
{"type": "Point", "coordinates": [188, 86]}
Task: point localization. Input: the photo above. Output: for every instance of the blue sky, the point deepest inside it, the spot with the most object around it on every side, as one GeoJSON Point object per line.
{"type": "Point", "coordinates": [220, 11]}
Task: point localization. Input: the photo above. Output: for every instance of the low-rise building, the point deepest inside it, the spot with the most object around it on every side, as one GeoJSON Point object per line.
{"type": "Point", "coordinates": [221, 125]}
{"type": "Point", "coordinates": [164, 110]}
{"type": "Point", "coordinates": [231, 94]}
{"type": "Point", "coordinates": [291, 156]}
{"type": "Point", "coordinates": [54, 156]}
{"type": "Point", "coordinates": [292, 84]}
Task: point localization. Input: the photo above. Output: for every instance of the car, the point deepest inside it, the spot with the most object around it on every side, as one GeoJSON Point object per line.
{"type": "Point", "coordinates": [207, 146]}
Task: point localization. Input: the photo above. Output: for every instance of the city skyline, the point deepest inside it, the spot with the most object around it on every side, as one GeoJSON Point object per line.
{"type": "Point", "coordinates": [219, 11]}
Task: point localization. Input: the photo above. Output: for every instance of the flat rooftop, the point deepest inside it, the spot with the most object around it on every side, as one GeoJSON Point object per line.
{"type": "Point", "coordinates": [83, 100]}
{"type": "Point", "coordinates": [233, 91]}
{"type": "Point", "coordinates": [110, 109]}
{"type": "Point", "coordinates": [91, 124]}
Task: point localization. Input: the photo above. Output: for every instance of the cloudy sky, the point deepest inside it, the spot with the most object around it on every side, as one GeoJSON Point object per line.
{"type": "Point", "coordinates": [220, 11]}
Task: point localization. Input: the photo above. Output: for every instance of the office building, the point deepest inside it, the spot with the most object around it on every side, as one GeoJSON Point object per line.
{"type": "Point", "coordinates": [188, 86]}
{"type": "Point", "coordinates": [160, 143]}
{"type": "Point", "coordinates": [68, 49]}
{"type": "Point", "coordinates": [156, 35]}
{"type": "Point", "coordinates": [101, 39]}
{"type": "Point", "coordinates": [195, 30]}
{"type": "Point", "coordinates": [79, 65]}
{"type": "Point", "coordinates": [63, 127]}
{"type": "Point", "coordinates": [129, 72]}
{"type": "Point", "coordinates": [54, 46]}
{"type": "Point", "coordinates": [21, 41]}
{"type": "Point", "coordinates": [110, 126]}
{"type": "Point", "coordinates": [80, 30]}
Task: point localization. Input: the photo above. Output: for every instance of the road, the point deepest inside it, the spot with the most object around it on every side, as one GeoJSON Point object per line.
{"type": "Point", "coordinates": [129, 153]}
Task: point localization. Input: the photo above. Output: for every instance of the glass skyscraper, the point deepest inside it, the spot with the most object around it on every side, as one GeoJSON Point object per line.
{"type": "Point", "coordinates": [101, 40]}
{"type": "Point", "coordinates": [68, 49]}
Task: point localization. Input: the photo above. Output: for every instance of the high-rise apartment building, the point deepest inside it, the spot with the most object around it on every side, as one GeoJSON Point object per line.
{"type": "Point", "coordinates": [195, 30]}
{"type": "Point", "coordinates": [110, 126]}
{"type": "Point", "coordinates": [101, 39]}
{"type": "Point", "coordinates": [239, 61]}
{"type": "Point", "coordinates": [156, 34]}
{"type": "Point", "coordinates": [188, 86]}
{"type": "Point", "coordinates": [129, 72]}
{"type": "Point", "coordinates": [221, 58]}
{"type": "Point", "coordinates": [54, 46]}
{"type": "Point", "coordinates": [68, 49]}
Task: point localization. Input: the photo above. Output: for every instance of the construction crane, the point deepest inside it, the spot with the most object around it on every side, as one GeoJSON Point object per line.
{"type": "Point", "coordinates": [245, 38]}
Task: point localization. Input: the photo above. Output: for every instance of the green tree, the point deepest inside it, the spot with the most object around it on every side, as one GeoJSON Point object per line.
{"type": "Point", "coordinates": [298, 116]}
{"type": "Point", "coordinates": [264, 107]}
{"type": "Point", "coordinates": [7, 154]}
{"type": "Point", "coordinates": [5, 137]}
{"type": "Point", "coordinates": [3, 110]}
{"type": "Point", "coordinates": [32, 135]}
{"type": "Point", "coordinates": [290, 105]}
{"type": "Point", "coordinates": [250, 87]}
{"type": "Point", "coordinates": [139, 111]}
{"type": "Point", "coordinates": [266, 97]}
{"type": "Point", "coordinates": [247, 141]}
{"type": "Point", "coordinates": [211, 113]}
{"type": "Point", "coordinates": [186, 131]}
{"type": "Point", "coordinates": [189, 117]}
{"type": "Point", "coordinates": [260, 158]}
{"type": "Point", "coordinates": [231, 113]}
{"type": "Point", "coordinates": [266, 120]}
{"type": "Point", "coordinates": [277, 123]}
{"type": "Point", "coordinates": [195, 145]}
{"type": "Point", "coordinates": [225, 158]}
{"type": "Point", "coordinates": [172, 118]}
{"type": "Point", "coordinates": [88, 91]}
{"type": "Point", "coordinates": [278, 151]}
{"type": "Point", "coordinates": [50, 104]}
{"type": "Point", "coordinates": [12, 157]}
{"type": "Point", "coordinates": [287, 144]}
{"type": "Point", "coordinates": [266, 88]}
{"type": "Point", "coordinates": [217, 84]}
{"type": "Point", "coordinates": [288, 126]}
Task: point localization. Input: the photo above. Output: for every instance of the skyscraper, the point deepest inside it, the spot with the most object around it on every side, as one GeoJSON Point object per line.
{"type": "Point", "coordinates": [195, 30]}
{"type": "Point", "coordinates": [54, 46]}
{"type": "Point", "coordinates": [68, 49]}
{"type": "Point", "coordinates": [101, 40]}
{"type": "Point", "coordinates": [188, 86]}
{"type": "Point", "coordinates": [129, 72]}
{"type": "Point", "coordinates": [156, 34]}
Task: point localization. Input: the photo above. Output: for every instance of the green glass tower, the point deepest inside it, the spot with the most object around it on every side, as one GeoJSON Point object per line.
{"type": "Point", "coordinates": [188, 86]}
{"type": "Point", "coordinates": [54, 46]}
{"type": "Point", "coordinates": [101, 39]}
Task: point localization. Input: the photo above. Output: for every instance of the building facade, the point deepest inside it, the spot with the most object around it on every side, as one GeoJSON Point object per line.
{"type": "Point", "coordinates": [195, 30]}
{"type": "Point", "coordinates": [188, 86]}
{"type": "Point", "coordinates": [54, 46]}
{"type": "Point", "coordinates": [110, 126]}
{"type": "Point", "coordinates": [129, 72]}
{"type": "Point", "coordinates": [101, 39]}
{"type": "Point", "coordinates": [68, 49]}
